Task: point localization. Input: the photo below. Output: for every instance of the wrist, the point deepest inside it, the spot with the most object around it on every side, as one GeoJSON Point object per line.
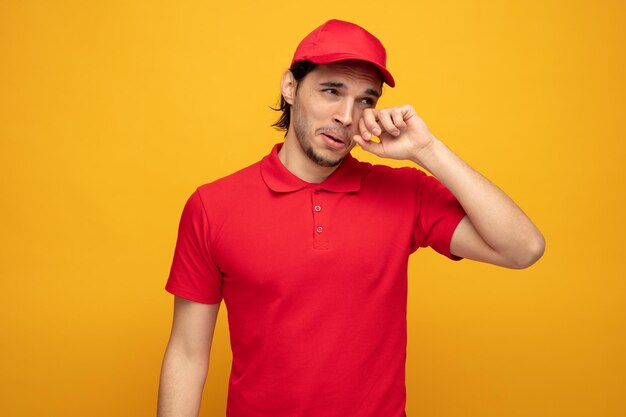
{"type": "Point", "coordinates": [428, 155]}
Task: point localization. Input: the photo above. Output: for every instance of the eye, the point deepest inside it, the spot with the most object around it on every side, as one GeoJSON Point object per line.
{"type": "Point", "coordinates": [330, 90]}
{"type": "Point", "coordinates": [368, 101]}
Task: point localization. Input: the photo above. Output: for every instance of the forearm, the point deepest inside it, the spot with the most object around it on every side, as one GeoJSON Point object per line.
{"type": "Point", "coordinates": [181, 384]}
{"type": "Point", "coordinates": [496, 230]}
{"type": "Point", "coordinates": [497, 219]}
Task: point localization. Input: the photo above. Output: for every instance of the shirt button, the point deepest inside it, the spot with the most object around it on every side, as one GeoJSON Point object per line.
{"type": "Point", "coordinates": [318, 208]}
{"type": "Point", "coordinates": [319, 229]}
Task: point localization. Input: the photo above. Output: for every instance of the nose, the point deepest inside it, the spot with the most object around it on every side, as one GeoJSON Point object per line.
{"type": "Point", "coordinates": [343, 113]}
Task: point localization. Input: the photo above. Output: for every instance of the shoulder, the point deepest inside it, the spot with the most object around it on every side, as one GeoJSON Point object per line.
{"type": "Point", "coordinates": [222, 194]}
{"type": "Point", "coordinates": [237, 182]}
{"type": "Point", "coordinates": [399, 182]}
{"type": "Point", "coordinates": [386, 176]}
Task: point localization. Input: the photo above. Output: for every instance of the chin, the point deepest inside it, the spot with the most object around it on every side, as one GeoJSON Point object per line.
{"type": "Point", "coordinates": [322, 160]}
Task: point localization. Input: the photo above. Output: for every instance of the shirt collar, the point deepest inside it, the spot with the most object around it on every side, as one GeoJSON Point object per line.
{"type": "Point", "coordinates": [345, 179]}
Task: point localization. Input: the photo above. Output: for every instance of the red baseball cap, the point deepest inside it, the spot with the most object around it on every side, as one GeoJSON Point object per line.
{"type": "Point", "coordinates": [337, 40]}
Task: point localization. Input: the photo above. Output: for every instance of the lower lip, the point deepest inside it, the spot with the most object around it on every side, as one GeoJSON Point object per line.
{"type": "Point", "coordinates": [333, 144]}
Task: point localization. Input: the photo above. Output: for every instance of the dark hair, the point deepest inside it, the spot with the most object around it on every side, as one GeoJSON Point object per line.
{"type": "Point", "coordinates": [299, 70]}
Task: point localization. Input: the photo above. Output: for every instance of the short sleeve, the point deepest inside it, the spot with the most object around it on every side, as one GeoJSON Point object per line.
{"type": "Point", "coordinates": [438, 213]}
{"type": "Point", "coordinates": [193, 274]}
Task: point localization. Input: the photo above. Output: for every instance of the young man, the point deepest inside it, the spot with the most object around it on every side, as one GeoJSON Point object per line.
{"type": "Point", "coordinates": [309, 247]}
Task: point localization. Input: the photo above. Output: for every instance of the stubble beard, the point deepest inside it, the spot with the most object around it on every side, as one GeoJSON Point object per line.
{"type": "Point", "coordinates": [301, 129]}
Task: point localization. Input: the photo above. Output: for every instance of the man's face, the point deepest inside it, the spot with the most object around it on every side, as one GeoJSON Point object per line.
{"type": "Point", "coordinates": [327, 107]}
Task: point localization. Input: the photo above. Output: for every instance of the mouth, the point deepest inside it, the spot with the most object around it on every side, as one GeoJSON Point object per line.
{"type": "Point", "coordinates": [334, 138]}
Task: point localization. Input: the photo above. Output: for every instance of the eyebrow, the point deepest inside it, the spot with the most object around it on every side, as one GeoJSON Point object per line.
{"type": "Point", "coordinates": [333, 84]}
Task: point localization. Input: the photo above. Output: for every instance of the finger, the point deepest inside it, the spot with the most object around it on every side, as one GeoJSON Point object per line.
{"type": "Point", "coordinates": [398, 119]}
{"type": "Point", "coordinates": [369, 118]}
{"type": "Point", "coordinates": [368, 145]}
{"type": "Point", "coordinates": [408, 112]}
{"type": "Point", "coordinates": [385, 120]}
{"type": "Point", "coordinates": [363, 129]}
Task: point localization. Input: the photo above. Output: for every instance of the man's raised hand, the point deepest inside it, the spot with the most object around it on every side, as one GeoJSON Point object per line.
{"type": "Point", "coordinates": [402, 133]}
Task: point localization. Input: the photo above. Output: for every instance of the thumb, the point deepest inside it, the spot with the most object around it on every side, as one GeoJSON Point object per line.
{"type": "Point", "coordinates": [368, 145]}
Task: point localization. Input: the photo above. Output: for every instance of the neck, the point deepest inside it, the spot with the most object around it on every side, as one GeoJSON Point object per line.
{"type": "Point", "coordinates": [298, 163]}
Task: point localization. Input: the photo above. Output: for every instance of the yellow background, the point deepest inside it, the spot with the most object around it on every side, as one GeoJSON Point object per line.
{"type": "Point", "coordinates": [111, 113]}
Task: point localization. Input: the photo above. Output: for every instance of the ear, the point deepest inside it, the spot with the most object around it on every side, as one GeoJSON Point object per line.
{"type": "Point", "coordinates": [288, 86]}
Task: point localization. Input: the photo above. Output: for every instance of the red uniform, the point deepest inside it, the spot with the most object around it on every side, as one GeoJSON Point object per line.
{"type": "Point", "coordinates": [314, 278]}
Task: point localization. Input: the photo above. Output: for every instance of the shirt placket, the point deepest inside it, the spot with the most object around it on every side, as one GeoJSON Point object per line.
{"type": "Point", "coordinates": [319, 209]}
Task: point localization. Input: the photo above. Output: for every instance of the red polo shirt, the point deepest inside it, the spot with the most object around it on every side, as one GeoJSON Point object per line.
{"type": "Point", "coordinates": [314, 278]}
